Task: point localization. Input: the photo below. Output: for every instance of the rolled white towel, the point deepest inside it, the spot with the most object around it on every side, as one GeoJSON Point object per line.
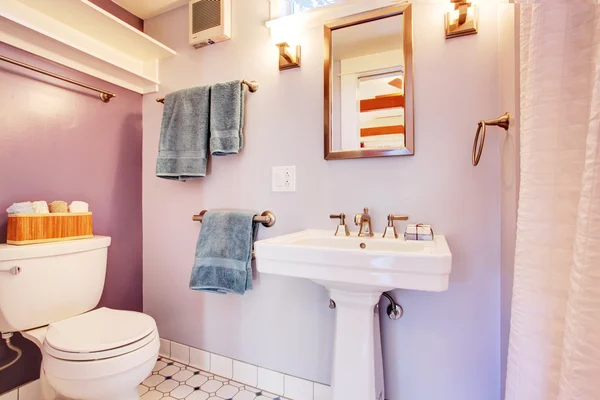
{"type": "Point", "coordinates": [79, 207]}
{"type": "Point", "coordinates": [20, 208]}
{"type": "Point", "coordinates": [40, 207]}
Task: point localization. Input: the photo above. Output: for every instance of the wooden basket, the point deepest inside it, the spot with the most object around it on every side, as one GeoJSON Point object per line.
{"type": "Point", "coordinates": [42, 228]}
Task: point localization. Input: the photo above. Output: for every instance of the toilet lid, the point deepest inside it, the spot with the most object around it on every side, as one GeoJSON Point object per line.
{"type": "Point", "coordinates": [99, 330]}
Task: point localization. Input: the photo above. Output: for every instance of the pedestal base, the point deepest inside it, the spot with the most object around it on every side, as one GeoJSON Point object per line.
{"type": "Point", "coordinates": [357, 357]}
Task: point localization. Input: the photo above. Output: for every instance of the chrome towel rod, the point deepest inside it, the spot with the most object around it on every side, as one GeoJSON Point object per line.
{"type": "Point", "coordinates": [252, 87]}
{"type": "Point", "coordinates": [267, 218]}
{"type": "Point", "coordinates": [104, 95]}
{"type": "Point", "coordinates": [502, 122]}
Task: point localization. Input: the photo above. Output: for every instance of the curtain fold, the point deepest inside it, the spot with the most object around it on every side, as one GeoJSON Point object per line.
{"type": "Point", "coordinates": [554, 348]}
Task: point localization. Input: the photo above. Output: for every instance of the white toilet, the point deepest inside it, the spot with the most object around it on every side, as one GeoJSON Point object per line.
{"type": "Point", "coordinates": [102, 354]}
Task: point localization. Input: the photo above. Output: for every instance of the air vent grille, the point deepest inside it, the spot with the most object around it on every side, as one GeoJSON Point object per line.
{"type": "Point", "coordinates": [206, 14]}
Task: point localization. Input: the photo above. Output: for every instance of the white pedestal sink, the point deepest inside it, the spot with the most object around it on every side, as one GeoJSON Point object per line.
{"type": "Point", "coordinates": [356, 271]}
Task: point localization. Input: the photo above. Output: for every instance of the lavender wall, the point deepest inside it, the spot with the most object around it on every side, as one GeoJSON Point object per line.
{"type": "Point", "coordinates": [59, 142]}
{"type": "Point", "coordinates": [447, 345]}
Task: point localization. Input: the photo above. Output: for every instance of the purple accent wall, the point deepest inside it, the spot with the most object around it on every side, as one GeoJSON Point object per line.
{"type": "Point", "coordinates": [120, 13]}
{"type": "Point", "coordinates": [59, 142]}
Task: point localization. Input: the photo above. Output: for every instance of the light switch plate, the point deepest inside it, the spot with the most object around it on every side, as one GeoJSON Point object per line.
{"type": "Point", "coordinates": [284, 179]}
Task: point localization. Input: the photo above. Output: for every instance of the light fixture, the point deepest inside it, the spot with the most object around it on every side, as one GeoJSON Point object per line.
{"type": "Point", "coordinates": [287, 60]}
{"type": "Point", "coordinates": [462, 20]}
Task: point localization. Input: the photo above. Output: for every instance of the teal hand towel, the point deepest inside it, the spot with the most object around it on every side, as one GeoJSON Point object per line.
{"type": "Point", "coordinates": [184, 134]}
{"type": "Point", "coordinates": [224, 253]}
{"type": "Point", "coordinates": [226, 118]}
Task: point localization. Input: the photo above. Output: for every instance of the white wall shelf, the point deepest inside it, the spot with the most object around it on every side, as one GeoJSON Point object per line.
{"type": "Point", "coordinates": [80, 35]}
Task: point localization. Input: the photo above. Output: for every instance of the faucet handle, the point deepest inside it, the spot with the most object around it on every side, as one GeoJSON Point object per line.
{"type": "Point", "coordinates": [390, 230]}
{"type": "Point", "coordinates": [391, 218]}
{"type": "Point", "coordinates": [342, 228]}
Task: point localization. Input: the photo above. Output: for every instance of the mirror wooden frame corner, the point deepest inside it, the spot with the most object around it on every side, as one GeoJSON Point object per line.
{"type": "Point", "coordinates": [380, 13]}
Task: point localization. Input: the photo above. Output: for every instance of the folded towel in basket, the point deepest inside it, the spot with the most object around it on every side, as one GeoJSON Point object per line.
{"type": "Point", "coordinates": [224, 253]}
{"type": "Point", "coordinates": [20, 208]}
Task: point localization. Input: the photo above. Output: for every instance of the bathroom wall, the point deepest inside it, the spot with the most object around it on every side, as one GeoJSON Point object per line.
{"type": "Point", "coordinates": [58, 141]}
{"type": "Point", "coordinates": [447, 345]}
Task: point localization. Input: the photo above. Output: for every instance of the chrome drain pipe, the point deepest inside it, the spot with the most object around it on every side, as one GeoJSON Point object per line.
{"type": "Point", "coordinates": [394, 310]}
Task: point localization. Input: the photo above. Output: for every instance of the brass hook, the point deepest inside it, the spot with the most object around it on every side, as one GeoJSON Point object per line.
{"type": "Point", "coordinates": [502, 122]}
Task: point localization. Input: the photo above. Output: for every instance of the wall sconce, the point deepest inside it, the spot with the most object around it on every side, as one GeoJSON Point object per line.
{"type": "Point", "coordinates": [462, 20]}
{"type": "Point", "coordinates": [287, 60]}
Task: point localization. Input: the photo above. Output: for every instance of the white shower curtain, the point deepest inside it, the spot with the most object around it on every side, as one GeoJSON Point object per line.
{"type": "Point", "coordinates": [554, 350]}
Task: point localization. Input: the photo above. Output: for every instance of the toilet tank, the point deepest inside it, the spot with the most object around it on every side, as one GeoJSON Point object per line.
{"type": "Point", "coordinates": [56, 281]}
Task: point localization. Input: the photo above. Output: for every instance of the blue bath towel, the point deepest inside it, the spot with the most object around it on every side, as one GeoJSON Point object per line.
{"type": "Point", "coordinates": [226, 118]}
{"type": "Point", "coordinates": [224, 253]}
{"type": "Point", "coordinates": [184, 134]}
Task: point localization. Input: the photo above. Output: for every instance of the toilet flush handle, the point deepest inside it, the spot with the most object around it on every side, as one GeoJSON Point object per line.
{"type": "Point", "coordinates": [13, 270]}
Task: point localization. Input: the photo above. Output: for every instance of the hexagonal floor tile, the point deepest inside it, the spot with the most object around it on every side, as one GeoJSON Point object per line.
{"type": "Point", "coordinates": [227, 391]}
{"type": "Point", "coordinates": [159, 365]}
{"type": "Point", "coordinates": [153, 380]}
{"type": "Point", "coordinates": [183, 375]}
{"type": "Point", "coordinates": [245, 395]}
{"type": "Point", "coordinates": [196, 380]}
{"type": "Point", "coordinates": [181, 392]}
{"type": "Point", "coordinates": [152, 395]}
{"type": "Point", "coordinates": [167, 386]}
{"type": "Point", "coordinates": [142, 389]}
{"type": "Point", "coordinates": [169, 371]}
{"type": "Point", "coordinates": [197, 395]}
{"type": "Point", "coordinates": [211, 386]}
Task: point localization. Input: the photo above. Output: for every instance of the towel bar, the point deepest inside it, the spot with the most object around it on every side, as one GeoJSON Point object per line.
{"type": "Point", "coordinates": [252, 87]}
{"type": "Point", "coordinates": [267, 218]}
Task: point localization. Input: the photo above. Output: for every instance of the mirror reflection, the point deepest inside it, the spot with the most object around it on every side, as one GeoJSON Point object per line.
{"type": "Point", "coordinates": [367, 82]}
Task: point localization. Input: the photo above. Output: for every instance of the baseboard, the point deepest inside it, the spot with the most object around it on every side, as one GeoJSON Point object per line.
{"type": "Point", "coordinates": [30, 391]}
{"type": "Point", "coordinates": [268, 380]}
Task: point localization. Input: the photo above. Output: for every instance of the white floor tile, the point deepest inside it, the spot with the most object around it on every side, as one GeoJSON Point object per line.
{"type": "Point", "coordinates": [270, 381]}
{"type": "Point", "coordinates": [183, 375]}
{"type": "Point", "coordinates": [152, 395]}
{"type": "Point", "coordinates": [200, 359]}
{"type": "Point", "coordinates": [165, 348]}
{"type": "Point", "coordinates": [197, 380]}
{"type": "Point", "coordinates": [167, 386]}
{"type": "Point", "coordinates": [153, 380]}
{"type": "Point", "coordinates": [221, 366]}
{"type": "Point", "coordinates": [322, 392]}
{"type": "Point", "coordinates": [192, 384]}
{"type": "Point", "coordinates": [227, 391]}
{"type": "Point", "coordinates": [211, 386]}
{"type": "Point", "coordinates": [298, 389]}
{"type": "Point", "coordinates": [244, 395]}
{"type": "Point", "coordinates": [31, 391]}
{"type": "Point", "coordinates": [180, 352]}
{"type": "Point", "coordinates": [10, 395]}
{"type": "Point", "coordinates": [181, 392]}
{"type": "Point", "coordinates": [198, 395]}
{"type": "Point", "coordinates": [245, 373]}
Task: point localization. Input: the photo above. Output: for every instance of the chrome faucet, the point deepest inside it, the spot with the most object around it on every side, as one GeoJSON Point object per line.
{"type": "Point", "coordinates": [364, 221]}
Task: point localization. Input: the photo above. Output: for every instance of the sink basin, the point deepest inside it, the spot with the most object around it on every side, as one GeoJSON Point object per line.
{"type": "Point", "coordinates": [356, 271]}
{"type": "Point", "coordinates": [370, 263]}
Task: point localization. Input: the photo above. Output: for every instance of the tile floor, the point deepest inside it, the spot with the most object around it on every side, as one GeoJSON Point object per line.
{"type": "Point", "coordinates": [172, 380]}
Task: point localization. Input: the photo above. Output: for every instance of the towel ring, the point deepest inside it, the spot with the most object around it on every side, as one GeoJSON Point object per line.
{"type": "Point", "coordinates": [502, 122]}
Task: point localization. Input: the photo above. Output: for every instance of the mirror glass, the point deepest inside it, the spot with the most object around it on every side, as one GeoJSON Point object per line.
{"type": "Point", "coordinates": [366, 79]}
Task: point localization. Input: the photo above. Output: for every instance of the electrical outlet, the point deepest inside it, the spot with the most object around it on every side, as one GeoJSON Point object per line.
{"type": "Point", "coordinates": [284, 179]}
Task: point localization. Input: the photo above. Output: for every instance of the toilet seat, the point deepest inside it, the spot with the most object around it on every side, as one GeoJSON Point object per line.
{"type": "Point", "coordinates": [99, 334]}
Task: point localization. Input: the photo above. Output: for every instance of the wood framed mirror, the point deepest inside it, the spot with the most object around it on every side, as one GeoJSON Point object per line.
{"type": "Point", "coordinates": [368, 86]}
